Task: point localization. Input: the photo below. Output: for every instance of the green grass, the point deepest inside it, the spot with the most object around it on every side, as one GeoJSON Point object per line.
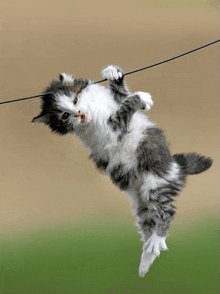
{"type": "Point", "coordinates": [104, 258]}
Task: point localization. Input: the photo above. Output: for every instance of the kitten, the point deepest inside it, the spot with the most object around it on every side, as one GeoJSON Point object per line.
{"type": "Point", "coordinates": [130, 149]}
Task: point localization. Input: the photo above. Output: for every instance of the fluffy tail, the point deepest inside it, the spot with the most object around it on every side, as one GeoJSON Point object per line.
{"type": "Point", "coordinates": [193, 163]}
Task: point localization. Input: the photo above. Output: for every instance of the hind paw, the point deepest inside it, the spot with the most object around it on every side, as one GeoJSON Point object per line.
{"type": "Point", "coordinates": [151, 250]}
{"type": "Point", "coordinates": [146, 260]}
{"type": "Point", "coordinates": [155, 244]}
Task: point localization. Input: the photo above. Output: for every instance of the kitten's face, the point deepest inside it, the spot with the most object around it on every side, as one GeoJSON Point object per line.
{"type": "Point", "coordinates": [64, 109]}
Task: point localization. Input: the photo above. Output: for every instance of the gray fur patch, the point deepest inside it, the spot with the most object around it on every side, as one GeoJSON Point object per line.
{"type": "Point", "coordinates": [122, 178]}
{"type": "Point", "coordinates": [100, 163]}
{"type": "Point", "coordinates": [169, 190]}
{"type": "Point", "coordinates": [145, 226]}
{"type": "Point", "coordinates": [153, 153]}
{"type": "Point", "coordinates": [78, 85]}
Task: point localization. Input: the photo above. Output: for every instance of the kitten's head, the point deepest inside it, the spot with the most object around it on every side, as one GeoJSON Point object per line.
{"type": "Point", "coordinates": [61, 107]}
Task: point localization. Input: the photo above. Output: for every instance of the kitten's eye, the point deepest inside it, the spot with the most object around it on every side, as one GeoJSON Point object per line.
{"type": "Point", "coordinates": [75, 101]}
{"type": "Point", "coordinates": [65, 115]}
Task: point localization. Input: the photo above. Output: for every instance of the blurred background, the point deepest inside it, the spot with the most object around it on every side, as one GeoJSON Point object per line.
{"type": "Point", "coordinates": [64, 227]}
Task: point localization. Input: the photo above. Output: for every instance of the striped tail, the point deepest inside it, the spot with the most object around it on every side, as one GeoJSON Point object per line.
{"type": "Point", "coordinates": [193, 163]}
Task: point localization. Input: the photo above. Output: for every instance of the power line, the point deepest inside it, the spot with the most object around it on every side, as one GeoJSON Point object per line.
{"type": "Point", "coordinates": [127, 73]}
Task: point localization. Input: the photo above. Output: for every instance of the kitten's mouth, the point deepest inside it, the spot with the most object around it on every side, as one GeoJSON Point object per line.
{"type": "Point", "coordinates": [82, 116]}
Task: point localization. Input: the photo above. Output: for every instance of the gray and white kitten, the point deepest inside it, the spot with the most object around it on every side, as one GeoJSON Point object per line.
{"type": "Point", "coordinates": [130, 149]}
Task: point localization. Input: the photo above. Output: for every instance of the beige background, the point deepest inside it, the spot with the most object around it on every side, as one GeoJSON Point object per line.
{"type": "Point", "coordinates": [46, 178]}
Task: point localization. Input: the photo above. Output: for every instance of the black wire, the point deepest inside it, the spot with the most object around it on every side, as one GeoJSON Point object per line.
{"type": "Point", "coordinates": [166, 60]}
{"type": "Point", "coordinates": [127, 73]}
{"type": "Point", "coordinates": [24, 98]}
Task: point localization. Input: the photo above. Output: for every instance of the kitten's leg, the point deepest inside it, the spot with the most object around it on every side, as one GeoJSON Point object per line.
{"type": "Point", "coordinates": [115, 77]}
{"type": "Point", "coordinates": [161, 211]}
{"type": "Point", "coordinates": [162, 181]}
{"type": "Point", "coordinates": [132, 103]}
{"type": "Point", "coordinates": [156, 242]}
{"type": "Point", "coordinates": [146, 225]}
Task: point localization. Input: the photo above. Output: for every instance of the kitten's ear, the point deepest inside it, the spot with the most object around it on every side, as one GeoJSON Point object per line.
{"type": "Point", "coordinates": [66, 78]}
{"type": "Point", "coordinates": [61, 78]}
{"type": "Point", "coordinates": [40, 119]}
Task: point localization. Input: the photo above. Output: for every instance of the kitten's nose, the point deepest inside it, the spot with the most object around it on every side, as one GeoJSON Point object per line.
{"type": "Point", "coordinates": [78, 114]}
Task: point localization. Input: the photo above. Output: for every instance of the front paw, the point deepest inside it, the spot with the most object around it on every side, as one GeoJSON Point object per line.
{"type": "Point", "coordinates": [147, 99]}
{"type": "Point", "coordinates": [112, 73]}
